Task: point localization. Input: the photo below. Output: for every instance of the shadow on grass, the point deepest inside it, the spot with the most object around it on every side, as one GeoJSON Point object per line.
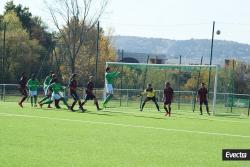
{"type": "Point", "coordinates": [111, 111]}
{"type": "Point", "coordinates": [96, 113]}
{"type": "Point", "coordinates": [130, 114]}
{"type": "Point", "coordinates": [232, 115]}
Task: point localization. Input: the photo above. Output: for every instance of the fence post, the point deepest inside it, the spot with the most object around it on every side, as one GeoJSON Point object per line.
{"type": "Point", "coordinates": [179, 85]}
{"type": "Point", "coordinates": [232, 102]}
{"type": "Point", "coordinates": [1, 92]}
{"type": "Point", "coordinates": [194, 100]}
{"type": "Point", "coordinates": [127, 97]}
{"type": "Point", "coordinates": [121, 82]}
{"type": "Point", "coordinates": [120, 97]}
{"type": "Point", "coordinates": [248, 105]}
{"type": "Point", "coordinates": [4, 92]}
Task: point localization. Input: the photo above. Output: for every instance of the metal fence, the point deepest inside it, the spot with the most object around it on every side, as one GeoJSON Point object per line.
{"type": "Point", "coordinates": [226, 103]}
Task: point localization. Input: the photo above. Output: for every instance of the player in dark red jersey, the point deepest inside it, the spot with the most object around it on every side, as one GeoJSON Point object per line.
{"type": "Point", "coordinates": [23, 89]}
{"type": "Point", "coordinates": [168, 98]}
{"type": "Point", "coordinates": [73, 92]}
{"type": "Point", "coordinates": [202, 95]}
{"type": "Point", "coordinates": [89, 93]}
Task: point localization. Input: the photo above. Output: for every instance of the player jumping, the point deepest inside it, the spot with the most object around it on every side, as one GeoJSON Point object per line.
{"type": "Point", "coordinates": [150, 95]}
{"type": "Point", "coordinates": [167, 98]}
{"type": "Point", "coordinates": [23, 89]}
{"type": "Point", "coordinates": [33, 85]}
{"type": "Point", "coordinates": [202, 95]}
{"type": "Point", "coordinates": [89, 93]}
{"type": "Point", "coordinates": [109, 76]}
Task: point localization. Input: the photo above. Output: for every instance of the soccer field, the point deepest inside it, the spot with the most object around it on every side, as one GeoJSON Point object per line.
{"type": "Point", "coordinates": [117, 137]}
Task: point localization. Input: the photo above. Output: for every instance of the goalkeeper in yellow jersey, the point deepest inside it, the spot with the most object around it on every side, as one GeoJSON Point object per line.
{"type": "Point", "coordinates": [150, 93]}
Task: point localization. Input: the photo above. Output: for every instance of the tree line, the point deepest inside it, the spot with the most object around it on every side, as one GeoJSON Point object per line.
{"type": "Point", "coordinates": [77, 45]}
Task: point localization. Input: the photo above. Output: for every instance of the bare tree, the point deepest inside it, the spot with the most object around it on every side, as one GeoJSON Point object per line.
{"type": "Point", "coordinates": [74, 19]}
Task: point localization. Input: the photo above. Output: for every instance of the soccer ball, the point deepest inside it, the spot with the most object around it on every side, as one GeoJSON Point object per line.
{"type": "Point", "coordinates": [218, 32]}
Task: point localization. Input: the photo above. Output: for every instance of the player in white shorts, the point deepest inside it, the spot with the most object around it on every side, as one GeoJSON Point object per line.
{"type": "Point", "coordinates": [109, 77]}
{"type": "Point", "coordinates": [32, 85]}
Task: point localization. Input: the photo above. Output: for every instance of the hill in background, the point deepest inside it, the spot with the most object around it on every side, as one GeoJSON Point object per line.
{"type": "Point", "coordinates": [190, 50]}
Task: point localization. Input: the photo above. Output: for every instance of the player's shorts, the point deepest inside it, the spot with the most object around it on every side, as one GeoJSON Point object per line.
{"type": "Point", "coordinates": [167, 101]}
{"type": "Point", "coordinates": [151, 98]}
{"type": "Point", "coordinates": [74, 95]}
{"type": "Point", "coordinates": [204, 102]}
{"type": "Point", "coordinates": [90, 97]}
{"type": "Point", "coordinates": [46, 91]}
{"type": "Point", "coordinates": [32, 93]}
{"type": "Point", "coordinates": [109, 89]}
{"type": "Point", "coordinates": [56, 96]}
{"type": "Point", "coordinates": [23, 91]}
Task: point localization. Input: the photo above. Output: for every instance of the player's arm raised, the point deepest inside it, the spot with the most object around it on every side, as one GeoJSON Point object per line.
{"type": "Point", "coordinates": [142, 93]}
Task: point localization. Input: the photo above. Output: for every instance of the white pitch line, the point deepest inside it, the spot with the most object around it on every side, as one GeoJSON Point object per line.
{"type": "Point", "coordinates": [128, 125]}
{"type": "Point", "coordinates": [139, 113]}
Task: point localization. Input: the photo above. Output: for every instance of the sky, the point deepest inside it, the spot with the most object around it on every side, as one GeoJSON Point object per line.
{"type": "Point", "coordinates": [170, 19]}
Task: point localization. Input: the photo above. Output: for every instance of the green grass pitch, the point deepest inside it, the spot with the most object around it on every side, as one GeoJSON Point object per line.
{"type": "Point", "coordinates": [117, 137]}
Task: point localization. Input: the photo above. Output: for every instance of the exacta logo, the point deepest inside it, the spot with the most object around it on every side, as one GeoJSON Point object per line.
{"type": "Point", "coordinates": [236, 154]}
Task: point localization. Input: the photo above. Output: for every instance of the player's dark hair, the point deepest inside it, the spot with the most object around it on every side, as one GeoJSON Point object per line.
{"type": "Point", "coordinates": [72, 76]}
{"type": "Point", "coordinates": [55, 80]}
{"type": "Point", "coordinates": [107, 69]}
{"type": "Point", "coordinates": [33, 75]}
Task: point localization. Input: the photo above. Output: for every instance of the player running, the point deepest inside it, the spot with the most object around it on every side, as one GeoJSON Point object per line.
{"type": "Point", "coordinates": [109, 77]}
{"type": "Point", "coordinates": [150, 95]}
{"type": "Point", "coordinates": [23, 88]}
{"type": "Point", "coordinates": [89, 93]}
{"type": "Point", "coordinates": [168, 98]}
{"type": "Point", "coordinates": [57, 88]}
{"type": "Point", "coordinates": [72, 89]}
{"type": "Point", "coordinates": [33, 85]}
{"type": "Point", "coordinates": [46, 84]}
{"type": "Point", "coordinates": [202, 95]}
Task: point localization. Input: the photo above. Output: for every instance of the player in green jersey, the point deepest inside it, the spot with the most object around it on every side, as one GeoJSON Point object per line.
{"type": "Point", "coordinates": [57, 88]}
{"type": "Point", "coordinates": [33, 85]}
{"type": "Point", "coordinates": [46, 89]}
{"type": "Point", "coordinates": [109, 77]}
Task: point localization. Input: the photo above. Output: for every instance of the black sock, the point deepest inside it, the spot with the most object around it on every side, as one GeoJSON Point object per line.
{"type": "Point", "coordinates": [97, 105]}
{"type": "Point", "coordinates": [73, 104]}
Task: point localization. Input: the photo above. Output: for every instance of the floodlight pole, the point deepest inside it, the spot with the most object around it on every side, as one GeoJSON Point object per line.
{"type": "Point", "coordinates": [97, 51]}
{"type": "Point", "coordinates": [215, 89]}
{"type": "Point", "coordinates": [248, 106]}
{"type": "Point", "coordinates": [179, 95]}
{"type": "Point", "coordinates": [232, 89]}
{"type": "Point", "coordinates": [121, 81]}
{"type": "Point", "coordinates": [211, 57]}
{"type": "Point", "coordinates": [4, 52]}
{"type": "Point", "coordinates": [3, 58]}
{"type": "Point", "coordinates": [105, 83]}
